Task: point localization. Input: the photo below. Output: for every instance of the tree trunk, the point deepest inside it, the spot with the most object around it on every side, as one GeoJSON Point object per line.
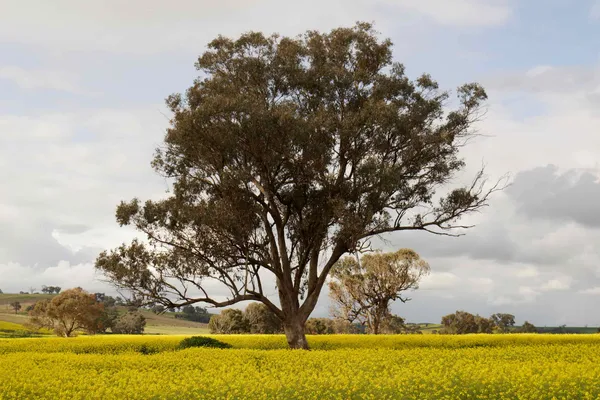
{"type": "Point", "coordinates": [375, 329]}
{"type": "Point", "coordinates": [294, 333]}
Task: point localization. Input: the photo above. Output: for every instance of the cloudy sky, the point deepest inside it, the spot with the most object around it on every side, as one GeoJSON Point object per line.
{"type": "Point", "coordinates": [82, 85]}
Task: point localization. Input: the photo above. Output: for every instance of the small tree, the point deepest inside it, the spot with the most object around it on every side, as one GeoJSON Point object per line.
{"type": "Point", "coordinates": [460, 322]}
{"type": "Point", "coordinates": [364, 290]}
{"type": "Point", "coordinates": [261, 319]}
{"type": "Point", "coordinates": [158, 309]}
{"type": "Point", "coordinates": [527, 327]}
{"type": "Point", "coordinates": [72, 310]}
{"type": "Point", "coordinates": [503, 321]}
{"type": "Point", "coordinates": [229, 321]}
{"type": "Point", "coordinates": [16, 306]}
{"type": "Point", "coordinates": [130, 323]}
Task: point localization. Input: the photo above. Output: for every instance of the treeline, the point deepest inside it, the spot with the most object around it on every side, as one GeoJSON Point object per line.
{"type": "Point", "coordinates": [258, 318]}
{"type": "Point", "coordinates": [462, 322]}
{"type": "Point", "coordinates": [188, 313]}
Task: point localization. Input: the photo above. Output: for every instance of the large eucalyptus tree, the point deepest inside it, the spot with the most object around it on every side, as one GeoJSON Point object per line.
{"type": "Point", "coordinates": [285, 154]}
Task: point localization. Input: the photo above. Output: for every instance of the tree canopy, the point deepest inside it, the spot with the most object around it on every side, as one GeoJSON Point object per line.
{"type": "Point", "coordinates": [362, 289]}
{"type": "Point", "coordinates": [68, 312]}
{"type": "Point", "coordinates": [285, 154]}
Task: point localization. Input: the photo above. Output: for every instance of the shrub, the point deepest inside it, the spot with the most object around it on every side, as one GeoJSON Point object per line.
{"type": "Point", "coordinates": [203, 341]}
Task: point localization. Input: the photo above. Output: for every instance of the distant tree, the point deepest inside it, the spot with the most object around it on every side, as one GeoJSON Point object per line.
{"type": "Point", "coordinates": [158, 309]}
{"type": "Point", "coordinates": [261, 319]}
{"type": "Point", "coordinates": [1, 292]}
{"type": "Point", "coordinates": [70, 311]}
{"type": "Point", "coordinates": [460, 322]}
{"type": "Point", "coordinates": [343, 326]}
{"type": "Point", "coordinates": [319, 326]}
{"type": "Point", "coordinates": [393, 324]}
{"type": "Point", "coordinates": [131, 323]}
{"type": "Point", "coordinates": [109, 301]}
{"type": "Point", "coordinates": [110, 314]}
{"type": "Point", "coordinates": [51, 289]}
{"type": "Point", "coordinates": [363, 290]}
{"type": "Point", "coordinates": [16, 305]}
{"type": "Point", "coordinates": [108, 319]}
{"type": "Point", "coordinates": [484, 325]}
{"type": "Point", "coordinates": [413, 329]}
{"type": "Point", "coordinates": [229, 321]}
{"type": "Point", "coordinates": [503, 321]}
{"type": "Point", "coordinates": [196, 314]}
{"type": "Point", "coordinates": [286, 154]}
{"type": "Point", "coordinates": [527, 327]}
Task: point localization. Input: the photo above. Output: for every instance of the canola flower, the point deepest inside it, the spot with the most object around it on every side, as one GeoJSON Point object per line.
{"type": "Point", "coordinates": [340, 367]}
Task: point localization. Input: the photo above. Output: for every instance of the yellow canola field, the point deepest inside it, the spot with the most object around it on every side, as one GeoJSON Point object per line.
{"type": "Point", "coordinates": [341, 367]}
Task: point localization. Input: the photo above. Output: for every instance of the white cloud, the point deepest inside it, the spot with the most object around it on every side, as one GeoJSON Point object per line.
{"type": "Point", "coordinates": [563, 283]}
{"type": "Point", "coordinates": [73, 169]}
{"type": "Point", "coordinates": [40, 79]}
{"type": "Point", "coordinates": [153, 26]}
{"type": "Point", "coordinates": [460, 12]}
{"type": "Point", "coordinates": [17, 277]}
{"type": "Point", "coordinates": [528, 293]}
{"type": "Point", "coordinates": [439, 280]}
{"type": "Point", "coordinates": [527, 272]}
{"type": "Point", "coordinates": [540, 69]}
{"type": "Point", "coordinates": [594, 291]}
{"type": "Point", "coordinates": [481, 285]}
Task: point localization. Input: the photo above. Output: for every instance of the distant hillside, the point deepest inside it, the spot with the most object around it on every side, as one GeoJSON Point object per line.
{"type": "Point", "coordinates": [155, 323]}
{"type": "Point", "coordinates": [7, 314]}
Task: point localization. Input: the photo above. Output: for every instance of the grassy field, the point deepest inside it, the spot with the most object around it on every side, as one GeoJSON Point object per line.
{"type": "Point", "coordinates": [339, 367]}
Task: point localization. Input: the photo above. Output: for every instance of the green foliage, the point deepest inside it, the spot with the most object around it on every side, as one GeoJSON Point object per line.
{"type": "Point", "coordinates": [191, 313]}
{"type": "Point", "coordinates": [504, 322]}
{"type": "Point", "coordinates": [527, 327]}
{"type": "Point", "coordinates": [203, 341]}
{"type": "Point", "coordinates": [484, 325]}
{"type": "Point", "coordinates": [261, 319]}
{"type": "Point", "coordinates": [319, 326]}
{"type": "Point", "coordinates": [147, 350]}
{"type": "Point", "coordinates": [132, 322]}
{"type": "Point", "coordinates": [229, 321]}
{"type": "Point", "coordinates": [460, 322]}
{"type": "Point", "coordinates": [51, 289]}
